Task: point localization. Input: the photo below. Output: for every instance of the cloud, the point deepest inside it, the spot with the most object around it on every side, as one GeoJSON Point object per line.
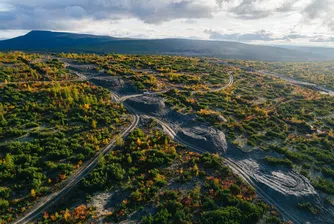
{"type": "Point", "coordinates": [309, 10]}
{"type": "Point", "coordinates": [286, 7]}
{"type": "Point", "coordinates": [101, 16]}
{"type": "Point", "coordinates": [322, 10]}
{"type": "Point", "coordinates": [322, 39]}
{"type": "Point", "coordinates": [316, 9]}
{"type": "Point", "coordinates": [330, 24]}
{"type": "Point", "coordinates": [261, 35]}
{"type": "Point", "coordinates": [63, 14]}
{"type": "Point", "coordinates": [249, 9]}
{"type": "Point", "coordinates": [75, 11]}
{"type": "Point", "coordinates": [168, 10]}
{"type": "Point", "coordinates": [256, 9]}
{"type": "Point", "coordinates": [6, 34]}
{"type": "Point", "coordinates": [189, 21]}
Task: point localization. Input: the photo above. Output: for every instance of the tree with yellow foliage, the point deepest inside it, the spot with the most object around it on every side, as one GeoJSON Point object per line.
{"type": "Point", "coordinates": [33, 193]}
{"type": "Point", "coordinates": [86, 106]}
{"type": "Point", "coordinates": [67, 215]}
{"type": "Point", "coordinates": [94, 124]}
{"type": "Point", "coordinates": [119, 141]}
{"type": "Point", "coordinates": [196, 169]}
{"type": "Point", "coordinates": [139, 141]}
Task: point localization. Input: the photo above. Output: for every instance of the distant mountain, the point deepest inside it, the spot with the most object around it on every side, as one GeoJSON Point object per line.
{"type": "Point", "coordinates": [68, 42]}
{"type": "Point", "coordinates": [324, 51]}
{"type": "Point", "coordinates": [37, 40]}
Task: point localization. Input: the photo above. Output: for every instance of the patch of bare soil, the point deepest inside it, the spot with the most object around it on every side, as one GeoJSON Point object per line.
{"type": "Point", "coordinates": [116, 84]}
{"type": "Point", "coordinates": [286, 187]}
{"type": "Point", "coordinates": [283, 187]}
{"type": "Point", "coordinates": [186, 127]}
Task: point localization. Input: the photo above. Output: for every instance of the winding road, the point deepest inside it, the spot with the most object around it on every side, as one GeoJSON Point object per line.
{"type": "Point", "coordinates": [48, 201]}
{"type": "Point", "coordinates": [235, 168]}
{"type": "Point", "coordinates": [74, 179]}
{"type": "Point", "coordinates": [288, 215]}
{"type": "Point", "coordinates": [316, 87]}
{"type": "Point", "coordinates": [230, 83]}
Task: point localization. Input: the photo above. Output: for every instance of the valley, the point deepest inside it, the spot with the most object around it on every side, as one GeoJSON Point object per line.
{"type": "Point", "coordinates": [225, 141]}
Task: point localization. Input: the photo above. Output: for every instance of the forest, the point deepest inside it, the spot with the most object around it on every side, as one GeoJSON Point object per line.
{"type": "Point", "coordinates": [155, 180]}
{"type": "Point", "coordinates": [320, 73]}
{"type": "Point", "coordinates": [257, 112]}
{"type": "Point", "coordinates": [53, 123]}
{"type": "Point", "coordinates": [47, 131]}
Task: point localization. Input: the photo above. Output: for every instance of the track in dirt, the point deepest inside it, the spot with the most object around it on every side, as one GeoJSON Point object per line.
{"type": "Point", "coordinates": [74, 179]}
{"type": "Point", "coordinates": [235, 166]}
{"type": "Point", "coordinates": [50, 200]}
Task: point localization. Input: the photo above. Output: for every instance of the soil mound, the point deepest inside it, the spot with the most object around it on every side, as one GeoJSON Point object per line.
{"type": "Point", "coordinates": [149, 105]}
{"type": "Point", "coordinates": [187, 127]}
{"type": "Point", "coordinates": [115, 84]}
{"type": "Point", "coordinates": [203, 137]}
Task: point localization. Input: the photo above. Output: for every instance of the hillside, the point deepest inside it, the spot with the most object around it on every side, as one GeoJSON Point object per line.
{"type": "Point", "coordinates": [324, 51]}
{"type": "Point", "coordinates": [38, 40]}
{"type": "Point", "coordinates": [69, 42]}
{"type": "Point", "coordinates": [88, 138]}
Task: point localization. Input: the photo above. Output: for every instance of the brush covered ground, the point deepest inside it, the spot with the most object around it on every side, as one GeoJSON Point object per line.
{"type": "Point", "coordinates": [54, 127]}
{"type": "Point", "coordinates": [149, 178]}
{"type": "Point", "coordinates": [47, 131]}
{"type": "Point", "coordinates": [320, 73]}
{"type": "Point", "coordinates": [256, 112]}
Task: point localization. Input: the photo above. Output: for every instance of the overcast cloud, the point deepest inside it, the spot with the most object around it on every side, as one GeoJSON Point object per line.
{"type": "Point", "coordinates": [261, 35]}
{"type": "Point", "coordinates": [255, 21]}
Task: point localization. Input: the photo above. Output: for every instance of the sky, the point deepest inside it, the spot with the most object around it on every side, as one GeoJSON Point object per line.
{"type": "Point", "coordinates": [269, 22]}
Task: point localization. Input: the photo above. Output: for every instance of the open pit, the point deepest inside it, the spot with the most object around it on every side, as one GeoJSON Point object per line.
{"type": "Point", "coordinates": [284, 181]}
{"type": "Point", "coordinates": [279, 186]}
{"type": "Point", "coordinates": [187, 127]}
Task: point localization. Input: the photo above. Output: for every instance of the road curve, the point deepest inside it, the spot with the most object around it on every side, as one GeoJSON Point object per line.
{"type": "Point", "coordinates": [316, 87]}
{"type": "Point", "coordinates": [235, 168]}
{"type": "Point", "coordinates": [47, 201]}
{"type": "Point", "coordinates": [74, 179]}
{"type": "Point", "coordinates": [230, 83]}
{"type": "Point", "coordinates": [122, 99]}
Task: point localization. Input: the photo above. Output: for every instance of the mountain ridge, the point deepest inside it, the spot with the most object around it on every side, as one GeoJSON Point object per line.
{"type": "Point", "coordinates": [48, 41]}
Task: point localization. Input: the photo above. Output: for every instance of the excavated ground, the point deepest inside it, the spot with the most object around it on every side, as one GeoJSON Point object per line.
{"type": "Point", "coordinates": [283, 186]}
{"type": "Point", "coordinates": [116, 84]}
{"type": "Point", "coordinates": [286, 187]}
{"type": "Point", "coordinates": [186, 127]}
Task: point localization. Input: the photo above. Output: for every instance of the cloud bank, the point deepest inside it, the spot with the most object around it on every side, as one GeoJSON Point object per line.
{"type": "Point", "coordinates": [74, 15]}
{"type": "Point", "coordinates": [59, 14]}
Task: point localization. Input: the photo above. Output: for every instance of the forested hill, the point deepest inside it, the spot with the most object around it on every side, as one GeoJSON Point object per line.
{"type": "Point", "coordinates": [69, 42]}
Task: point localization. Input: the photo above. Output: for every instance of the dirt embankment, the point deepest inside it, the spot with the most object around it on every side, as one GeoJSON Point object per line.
{"type": "Point", "coordinates": [186, 127]}
{"type": "Point", "coordinates": [209, 139]}
{"type": "Point", "coordinates": [115, 84]}
{"type": "Point", "coordinates": [282, 185]}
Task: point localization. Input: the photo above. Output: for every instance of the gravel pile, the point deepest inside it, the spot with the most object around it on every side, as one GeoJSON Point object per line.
{"type": "Point", "coordinates": [206, 138]}
{"type": "Point", "coordinates": [187, 127]}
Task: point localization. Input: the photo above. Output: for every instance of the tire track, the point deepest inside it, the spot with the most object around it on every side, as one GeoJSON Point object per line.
{"type": "Point", "coordinates": [75, 179]}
